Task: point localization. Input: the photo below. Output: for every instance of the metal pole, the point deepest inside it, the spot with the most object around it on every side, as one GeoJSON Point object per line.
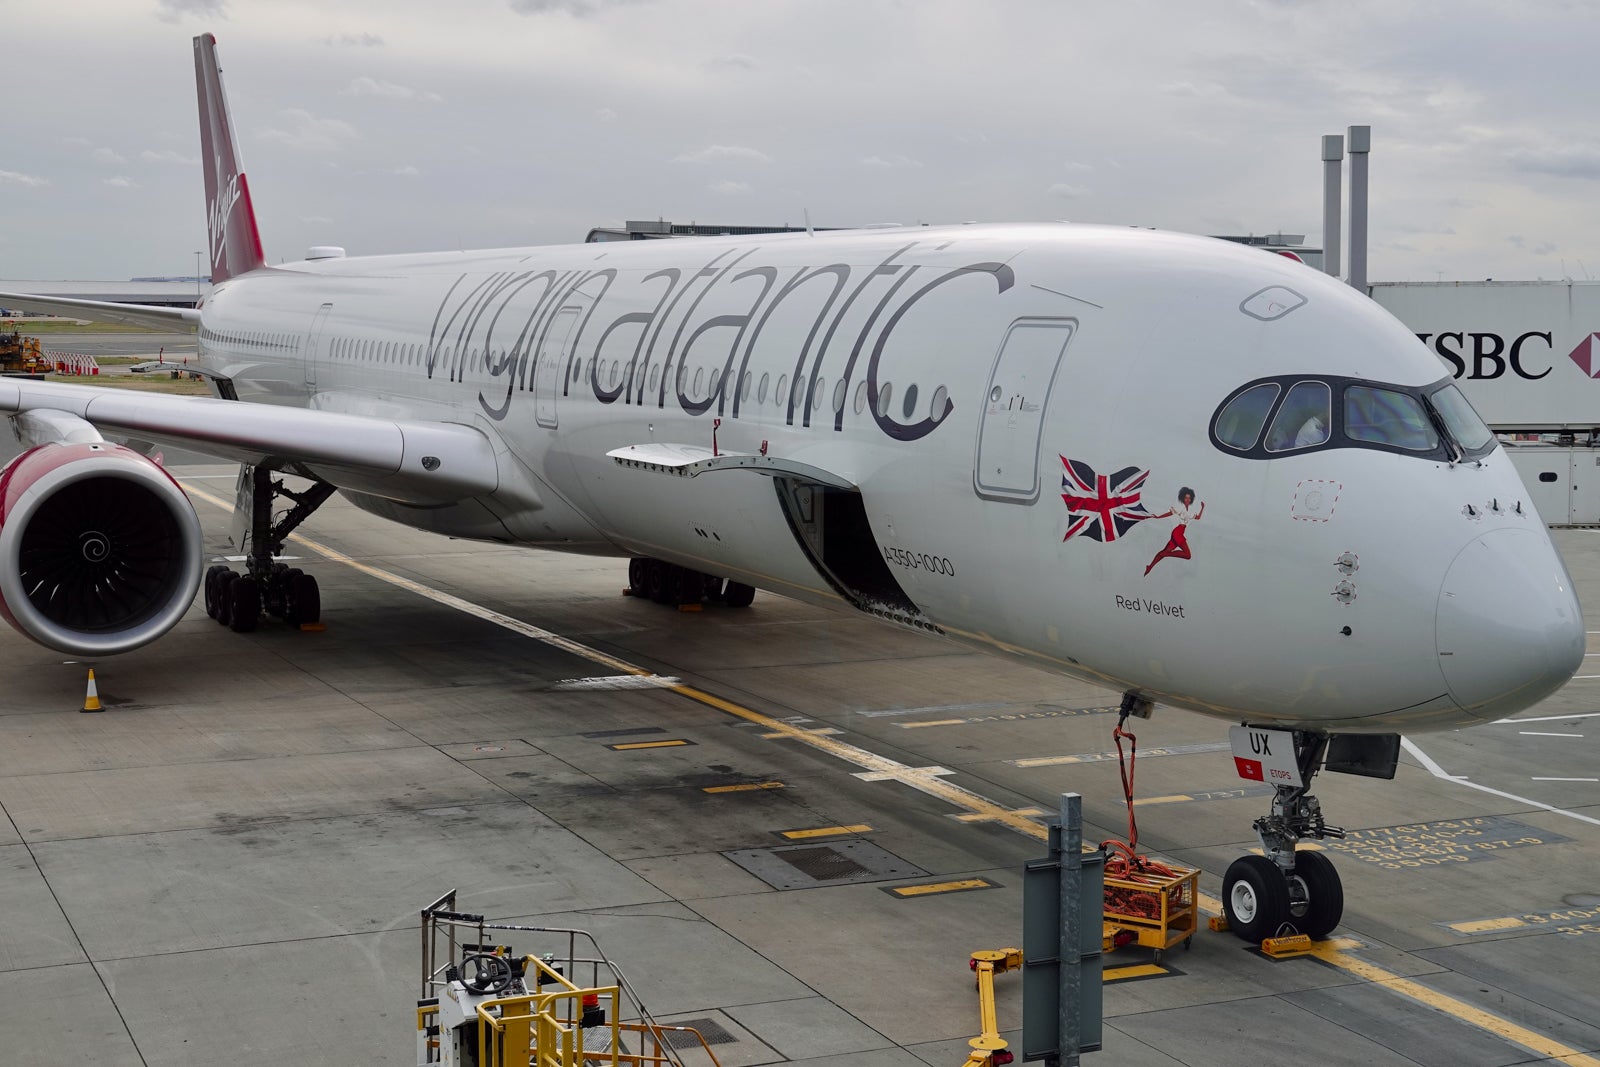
{"type": "Point", "coordinates": [1332, 165]}
{"type": "Point", "coordinates": [1360, 138]}
{"type": "Point", "coordinates": [1071, 936]}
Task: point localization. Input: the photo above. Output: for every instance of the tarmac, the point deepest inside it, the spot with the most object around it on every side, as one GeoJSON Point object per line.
{"type": "Point", "coordinates": [227, 865]}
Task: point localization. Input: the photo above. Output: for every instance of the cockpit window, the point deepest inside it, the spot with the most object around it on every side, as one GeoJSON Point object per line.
{"type": "Point", "coordinates": [1304, 418]}
{"type": "Point", "coordinates": [1460, 420]}
{"type": "Point", "coordinates": [1295, 414]}
{"type": "Point", "coordinates": [1239, 425]}
{"type": "Point", "coordinates": [1388, 417]}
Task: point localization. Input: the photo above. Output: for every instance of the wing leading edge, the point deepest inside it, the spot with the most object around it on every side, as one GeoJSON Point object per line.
{"type": "Point", "coordinates": [412, 462]}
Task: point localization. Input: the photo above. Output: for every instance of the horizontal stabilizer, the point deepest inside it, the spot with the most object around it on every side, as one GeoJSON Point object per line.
{"type": "Point", "coordinates": [108, 311]}
{"type": "Point", "coordinates": [689, 461]}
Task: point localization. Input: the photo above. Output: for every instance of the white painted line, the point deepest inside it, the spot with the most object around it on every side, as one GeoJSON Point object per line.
{"type": "Point", "coordinates": [1567, 779]}
{"type": "Point", "coordinates": [1438, 772]}
{"type": "Point", "coordinates": [1550, 718]}
{"type": "Point", "coordinates": [1541, 733]}
{"type": "Point", "coordinates": [901, 774]}
{"type": "Point", "coordinates": [610, 682]}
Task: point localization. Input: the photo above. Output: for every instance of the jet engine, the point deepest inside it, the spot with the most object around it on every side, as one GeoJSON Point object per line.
{"type": "Point", "coordinates": [100, 550]}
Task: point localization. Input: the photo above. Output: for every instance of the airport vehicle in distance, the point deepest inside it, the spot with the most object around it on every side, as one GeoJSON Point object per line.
{"type": "Point", "coordinates": [1201, 475]}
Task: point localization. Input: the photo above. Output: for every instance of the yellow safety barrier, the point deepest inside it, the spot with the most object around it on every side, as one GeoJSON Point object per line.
{"type": "Point", "coordinates": [545, 1029]}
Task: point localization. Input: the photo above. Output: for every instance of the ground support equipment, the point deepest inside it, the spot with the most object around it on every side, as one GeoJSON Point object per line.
{"type": "Point", "coordinates": [481, 1005]}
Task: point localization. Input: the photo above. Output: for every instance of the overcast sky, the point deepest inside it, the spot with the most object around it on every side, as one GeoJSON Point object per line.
{"type": "Point", "coordinates": [412, 125]}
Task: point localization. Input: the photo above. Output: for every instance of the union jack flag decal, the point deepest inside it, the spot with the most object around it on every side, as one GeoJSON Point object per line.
{"type": "Point", "coordinates": [1100, 506]}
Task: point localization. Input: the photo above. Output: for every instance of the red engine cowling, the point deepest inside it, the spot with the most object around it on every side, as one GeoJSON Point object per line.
{"type": "Point", "coordinates": [100, 550]}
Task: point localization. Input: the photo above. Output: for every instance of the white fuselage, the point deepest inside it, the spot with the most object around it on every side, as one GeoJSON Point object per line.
{"type": "Point", "coordinates": [949, 376]}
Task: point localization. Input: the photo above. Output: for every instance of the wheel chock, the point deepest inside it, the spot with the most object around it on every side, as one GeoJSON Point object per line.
{"type": "Point", "coordinates": [1217, 924]}
{"type": "Point", "coordinates": [313, 627]}
{"type": "Point", "coordinates": [691, 607]}
{"type": "Point", "coordinates": [1289, 945]}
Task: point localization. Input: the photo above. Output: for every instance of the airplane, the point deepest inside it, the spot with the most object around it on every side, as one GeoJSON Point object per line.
{"type": "Point", "coordinates": [1197, 474]}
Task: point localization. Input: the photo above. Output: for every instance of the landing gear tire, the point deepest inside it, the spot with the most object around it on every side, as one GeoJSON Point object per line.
{"type": "Point", "coordinates": [738, 595]}
{"type": "Point", "coordinates": [302, 599]}
{"type": "Point", "coordinates": [213, 574]}
{"type": "Point", "coordinates": [1319, 895]}
{"type": "Point", "coordinates": [244, 605]}
{"type": "Point", "coordinates": [655, 580]}
{"type": "Point", "coordinates": [220, 596]}
{"type": "Point", "coordinates": [711, 587]}
{"type": "Point", "coordinates": [684, 586]}
{"type": "Point", "coordinates": [1255, 898]}
{"type": "Point", "coordinates": [637, 567]}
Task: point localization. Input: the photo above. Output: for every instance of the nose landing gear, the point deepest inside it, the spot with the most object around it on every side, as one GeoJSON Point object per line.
{"type": "Point", "coordinates": [1285, 885]}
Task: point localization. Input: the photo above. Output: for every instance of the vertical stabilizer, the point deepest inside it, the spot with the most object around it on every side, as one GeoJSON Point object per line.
{"type": "Point", "coordinates": [230, 216]}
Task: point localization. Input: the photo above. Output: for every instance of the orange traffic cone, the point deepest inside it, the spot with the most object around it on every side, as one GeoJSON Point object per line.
{"type": "Point", "coordinates": [91, 699]}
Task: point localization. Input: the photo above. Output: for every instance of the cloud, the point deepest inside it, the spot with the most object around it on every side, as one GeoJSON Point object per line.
{"type": "Point", "coordinates": [107, 155]}
{"type": "Point", "coordinates": [167, 155]}
{"type": "Point", "coordinates": [1067, 192]}
{"type": "Point", "coordinates": [732, 61]}
{"type": "Point", "coordinates": [578, 8]}
{"type": "Point", "coordinates": [316, 219]}
{"type": "Point", "coordinates": [605, 114]}
{"type": "Point", "coordinates": [174, 10]}
{"type": "Point", "coordinates": [364, 86]}
{"type": "Point", "coordinates": [306, 132]}
{"type": "Point", "coordinates": [407, 170]}
{"type": "Point", "coordinates": [885, 162]}
{"type": "Point", "coordinates": [120, 182]}
{"type": "Point", "coordinates": [355, 40]}
{"type": "Point", "coordinates": [1565, 161]}
{"type": "Point", "coordinates": [730, 188]}
{"type": "Point", "coordinates": [719, 153]}
{"type": "Point", "coordinates": [19, 178]}
{"type": "Point", "coordinates": [84, 141]}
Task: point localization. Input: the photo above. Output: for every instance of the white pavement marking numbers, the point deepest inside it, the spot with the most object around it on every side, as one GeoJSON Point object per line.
{"type": "Point", "coordinates": [1439, 772]}
{"type": "Point", "coordinates": [924, 781]}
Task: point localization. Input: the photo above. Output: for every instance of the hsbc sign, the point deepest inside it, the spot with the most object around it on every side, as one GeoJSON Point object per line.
{"type": "Point", "coordinates": [1522, 352]}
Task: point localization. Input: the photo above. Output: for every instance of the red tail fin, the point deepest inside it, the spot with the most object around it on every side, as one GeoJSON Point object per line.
{"type": "Point", "coordinates": [230, 216]}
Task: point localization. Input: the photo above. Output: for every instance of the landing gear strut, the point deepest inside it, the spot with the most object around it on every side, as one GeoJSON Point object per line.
{"type": "Point", "coordinates": [236, 600]}
{"type": "Point", "coordinates": [1261, 895]}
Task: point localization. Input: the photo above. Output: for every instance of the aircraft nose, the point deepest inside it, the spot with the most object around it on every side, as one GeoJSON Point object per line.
{"type": "Point", "coordinates": [1509, 628]}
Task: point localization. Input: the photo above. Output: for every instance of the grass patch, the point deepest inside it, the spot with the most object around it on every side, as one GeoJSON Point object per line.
{"type": "Point", "coordinates": [161, 383]}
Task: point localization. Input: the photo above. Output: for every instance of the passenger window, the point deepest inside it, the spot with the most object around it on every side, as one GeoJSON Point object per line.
{"type": "Point", "coordinates": [761, 390]}
{"type": "Point", "coordinates": [1387, 417]}
{"type": "Point", "coordinates": [1239, 425]}
{"type": "Point", "coordinates": [1303, 419]}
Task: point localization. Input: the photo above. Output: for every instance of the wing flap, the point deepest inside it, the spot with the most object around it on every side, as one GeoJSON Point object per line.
{"type": "Point", "coordinates": [409, 461]}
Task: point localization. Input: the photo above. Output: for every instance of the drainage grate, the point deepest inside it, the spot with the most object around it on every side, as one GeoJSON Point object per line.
{"type": "Point", "coordinates": [822, 863]}
{"type": "Point", "coordinates": [714, 1033]}
{"type": "Point", "coordinates": [840, 863]}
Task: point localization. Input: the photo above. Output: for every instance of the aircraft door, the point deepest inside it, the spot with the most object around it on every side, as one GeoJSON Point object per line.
{"type": "Point", "coordinates": [1007, 466]}
{"type": "Point", "coordinates": [313, 339]}
{"type": "Point", "coordinates": [550, 369]}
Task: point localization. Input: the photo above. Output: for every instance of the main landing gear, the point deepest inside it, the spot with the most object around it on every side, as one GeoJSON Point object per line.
{"type": "Point", "coordinates": [668, 583]}
{"type": "Point", "coordinates": [237, 600]}
{"type": "Point", "coordinates": [1284, 887]}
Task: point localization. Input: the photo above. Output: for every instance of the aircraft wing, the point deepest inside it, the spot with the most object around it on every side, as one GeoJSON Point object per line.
{"type": "Point", "coordinates": [107, 311]}
{"type": "Point", "coordinates": [410, 461]}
